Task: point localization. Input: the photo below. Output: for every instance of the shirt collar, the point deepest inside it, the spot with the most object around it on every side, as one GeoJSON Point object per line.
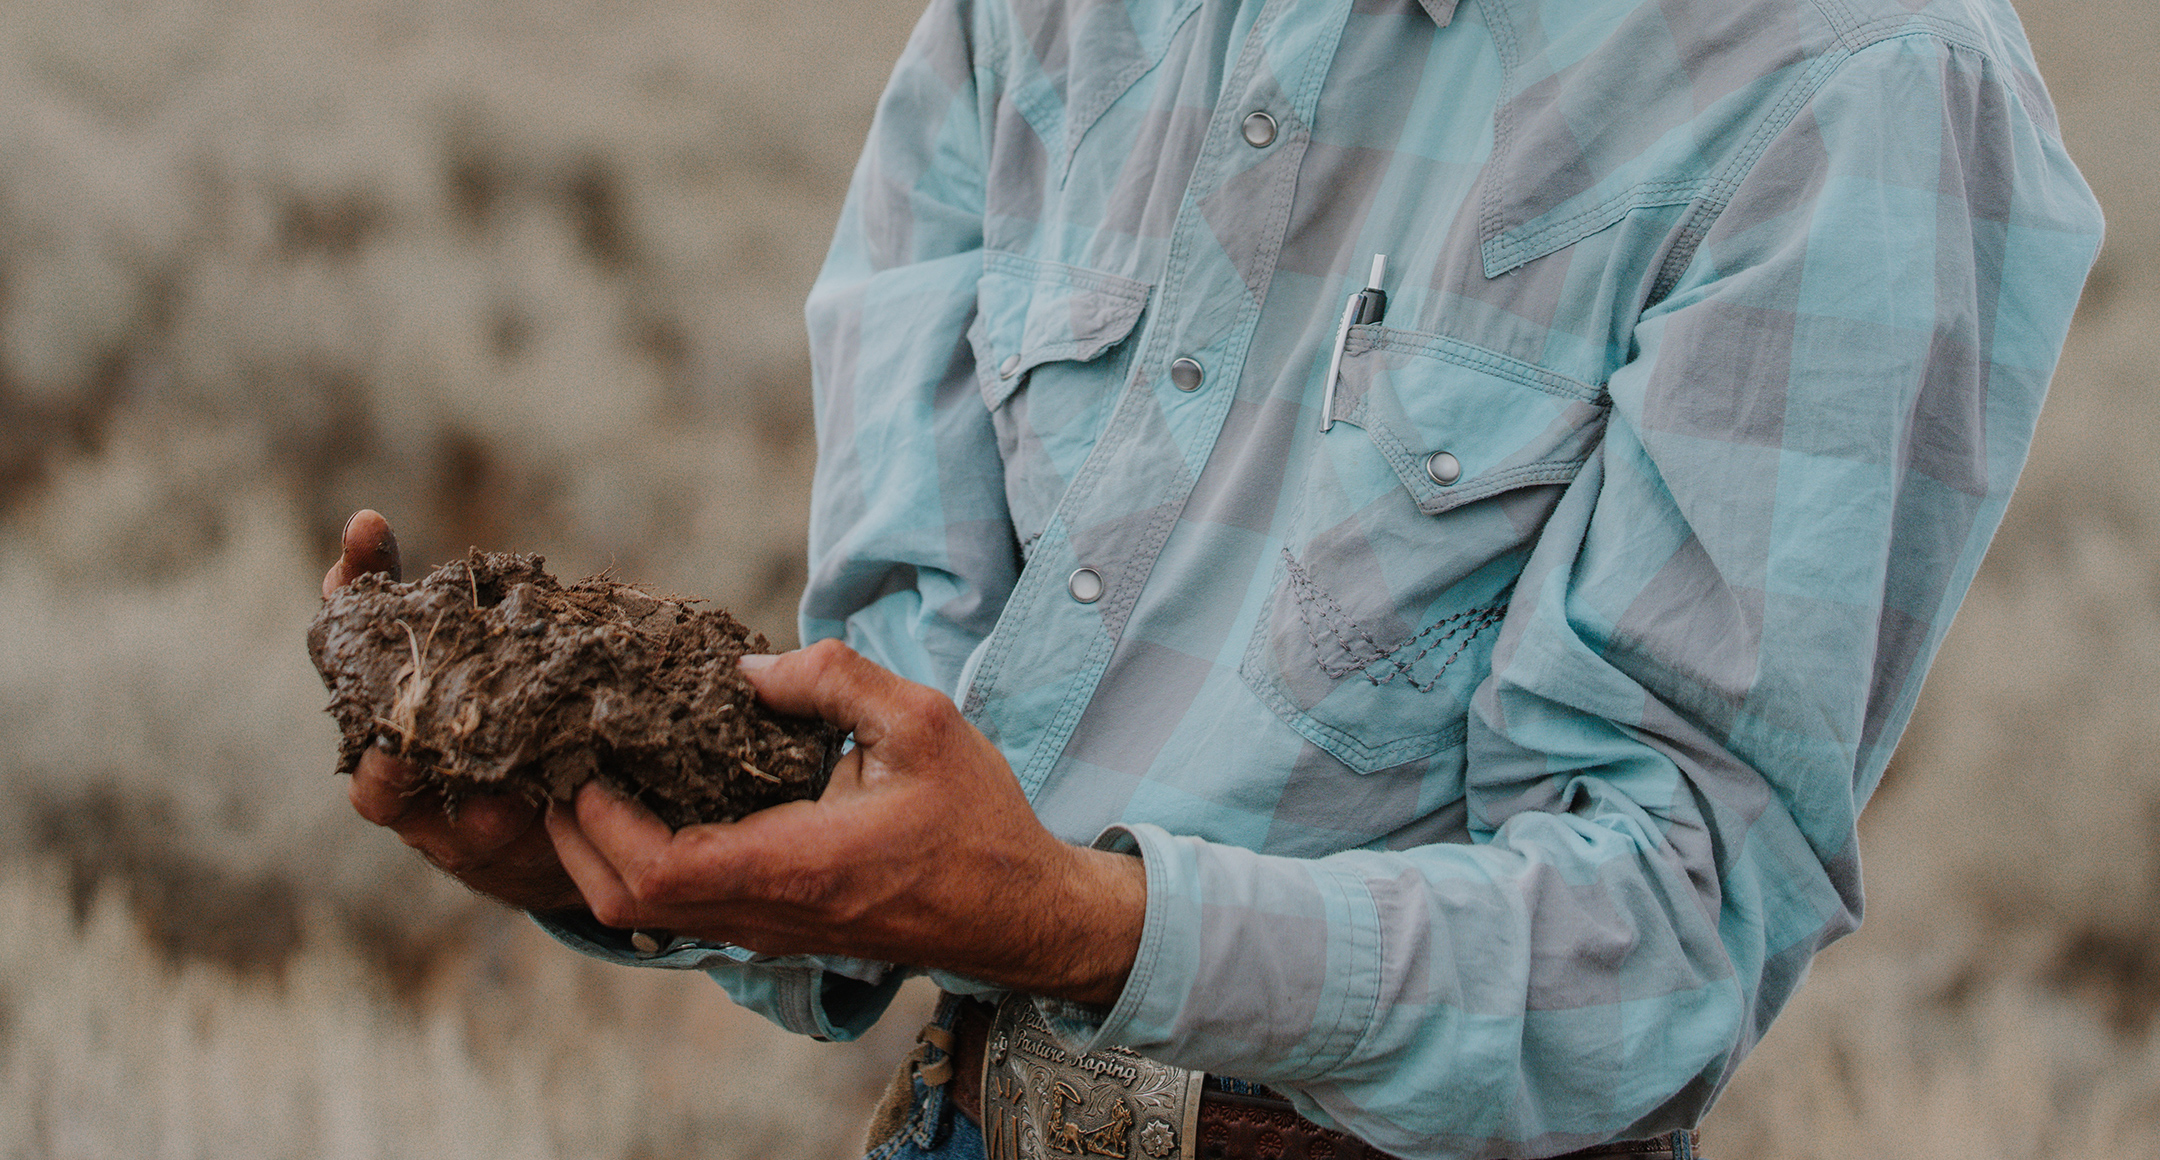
{"type": "Point", "coordinates": [1441, 11]}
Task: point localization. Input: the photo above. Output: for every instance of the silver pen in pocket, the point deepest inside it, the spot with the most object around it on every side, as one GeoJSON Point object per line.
{"type": "Point", "coordinates": [1366, 306]}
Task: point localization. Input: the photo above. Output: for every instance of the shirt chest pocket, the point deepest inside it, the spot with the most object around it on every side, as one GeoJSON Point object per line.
{"type": "Point", "coordinates": [1050, 354]}
{"type": "Point", "coordinates": [1414, 519]}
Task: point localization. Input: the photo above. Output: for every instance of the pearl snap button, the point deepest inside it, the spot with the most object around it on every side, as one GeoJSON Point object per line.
{"type": "Point", "coordinates": [1085, 585]}
{"type": "Point", "coordinates": [1186, 373]}
{"type": "Point", "coordinates": [1443, 467]}
{"type": "Point", "coordinates": [1259, 130]}
{"type": "Point", "coordinates": [1007, 368]}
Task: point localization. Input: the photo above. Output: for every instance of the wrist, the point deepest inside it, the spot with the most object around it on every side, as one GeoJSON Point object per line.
{"type": "Point", "coordinates": [1106, 896]}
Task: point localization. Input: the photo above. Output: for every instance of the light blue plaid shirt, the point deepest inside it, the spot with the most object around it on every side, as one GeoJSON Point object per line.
{"type": "Point", "coordinates": [1494, 750]}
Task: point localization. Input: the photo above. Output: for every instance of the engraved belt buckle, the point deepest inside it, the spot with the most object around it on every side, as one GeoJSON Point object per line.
{"type": "Point", "coordinates": [1042, 1102]}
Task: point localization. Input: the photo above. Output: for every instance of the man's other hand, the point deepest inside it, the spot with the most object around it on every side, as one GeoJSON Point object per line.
{"type": "Point", "coordinates": [922, 850]}
{"type": "Point", "coordinates": [496, 844]}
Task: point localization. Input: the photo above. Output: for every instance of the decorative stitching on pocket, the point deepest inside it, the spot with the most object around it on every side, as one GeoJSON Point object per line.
{"type": "Point", "coordinates": [1348, 635]}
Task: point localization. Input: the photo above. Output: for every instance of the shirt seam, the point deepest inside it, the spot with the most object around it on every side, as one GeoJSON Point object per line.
{"type": "Point", "coordinates": [1853, 34]}
{"type": "Point", "coordinates": [1077, 128]}
{"type": "Point", "coordinates": [1474, 357]}
{"type": "Point", "coordinates": [1826, 67]}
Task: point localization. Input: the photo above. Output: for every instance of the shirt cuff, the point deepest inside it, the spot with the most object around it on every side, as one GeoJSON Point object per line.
{"type": "Point", "coordinates": [826, 996]}
{"type": "Point", "coordinates": [581, 932]}
{"type": "Point", "coordinates": [1259, 967]}
{"type": "Point", "coordinates": [800, 996]}
{"type": "Point", "coordinates": [1164, 968]}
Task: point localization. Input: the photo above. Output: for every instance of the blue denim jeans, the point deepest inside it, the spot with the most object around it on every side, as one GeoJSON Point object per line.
{"type": "Point", "coordinates": [935, 1130]}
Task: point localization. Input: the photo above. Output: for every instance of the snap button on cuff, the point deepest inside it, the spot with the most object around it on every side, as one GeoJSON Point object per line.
{"type": "Point", "coordinates": [1009, 367]}
{"type": "Point", "coordinates": [1259, 129]}
{"type": "Point", "coordinates": [1086, 585]}
{"type": "Point", "coordinates": [1443, 468]}
{"type": "Point", "coordinates": [647, 943]}
{"type": "Point", "coordinates": [1186, 374]}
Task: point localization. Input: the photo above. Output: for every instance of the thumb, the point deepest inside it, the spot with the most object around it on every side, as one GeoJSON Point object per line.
{"type": "Point", "coordinates": [367, 546]}
{"type": "Point", "coordinates": [831, 681]}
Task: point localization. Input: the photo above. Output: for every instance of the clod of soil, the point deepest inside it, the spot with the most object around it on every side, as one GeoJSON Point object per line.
{"type": "Point", "coordinates": [491, 675]}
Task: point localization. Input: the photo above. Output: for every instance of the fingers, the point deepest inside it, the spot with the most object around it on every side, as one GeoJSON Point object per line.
{"type": "Point", "coordinates": [596, 880]}
{"type": "Point", "coordinates": [489, 823]}
{"type": "Point", "coordinates": [832, 681]}
{"type": "Point", "coordinates": [367, 545]}
{"type": "Point", "coordinates": [631, 836]}
{"type": "Point", "coordinates": [633, 871]}
{"type": "Point", "coordinates": [382, 788]}
{"type": "Point", "coordinates": [383, 791]}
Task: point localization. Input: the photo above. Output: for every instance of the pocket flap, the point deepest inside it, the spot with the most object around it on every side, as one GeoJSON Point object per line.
{"type": "Point", "coordinates": [1421, 396]}
{"type": "Point", "coordinates": [1030, 312]}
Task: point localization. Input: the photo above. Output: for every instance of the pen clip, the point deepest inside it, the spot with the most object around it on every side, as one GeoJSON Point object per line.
{"type": "Point", "coordinates": [1364, 306]}
{"type": "Point", "coordinates": [1334, 366]}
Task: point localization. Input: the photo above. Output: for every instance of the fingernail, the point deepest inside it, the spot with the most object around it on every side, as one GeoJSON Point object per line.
{"type": "Point", "coordinates": [348, 527]}
{"type": "Point", "coordinates": [755, 662]}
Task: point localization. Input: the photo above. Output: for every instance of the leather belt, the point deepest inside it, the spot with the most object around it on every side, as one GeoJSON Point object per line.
{"type": "Point", "coordinates": [1047, 1105]}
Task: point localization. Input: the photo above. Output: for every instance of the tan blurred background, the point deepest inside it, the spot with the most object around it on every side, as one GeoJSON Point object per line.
{"type": "Point", "coordinates": [528, 275]}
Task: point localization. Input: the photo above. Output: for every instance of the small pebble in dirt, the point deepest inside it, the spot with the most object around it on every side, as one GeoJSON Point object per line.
{"type": "Point", "coordinates": [491, 675]}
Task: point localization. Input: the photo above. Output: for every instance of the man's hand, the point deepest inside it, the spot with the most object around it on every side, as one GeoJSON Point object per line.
{"type": "Point", "coordinates": [497, 844]}
{"type": "Point", "coordinates": [922, 850]}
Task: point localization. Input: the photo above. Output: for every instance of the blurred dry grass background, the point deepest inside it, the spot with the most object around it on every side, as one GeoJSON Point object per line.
{"type": "Point", "coordinates": [528, 275]}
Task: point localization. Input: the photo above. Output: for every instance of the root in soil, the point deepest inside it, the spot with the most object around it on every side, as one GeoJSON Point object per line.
{"type": "Point", "coordinates": [490, 676]}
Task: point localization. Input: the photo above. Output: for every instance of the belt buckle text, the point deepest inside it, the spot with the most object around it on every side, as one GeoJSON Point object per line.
{"type": "Point", "coordinates": [1042, 1102]}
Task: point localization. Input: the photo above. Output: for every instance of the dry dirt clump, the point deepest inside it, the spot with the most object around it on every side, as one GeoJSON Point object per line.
{"type": "Point", "coordinates": [491, 675]}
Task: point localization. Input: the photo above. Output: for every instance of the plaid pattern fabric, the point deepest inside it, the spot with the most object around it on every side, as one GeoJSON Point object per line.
{"type": "Point", "coordinates": [1491, 805]}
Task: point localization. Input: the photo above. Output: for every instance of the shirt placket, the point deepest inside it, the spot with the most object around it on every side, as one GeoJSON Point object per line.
{"type": "Point", "coordinates": [1040, 666]}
